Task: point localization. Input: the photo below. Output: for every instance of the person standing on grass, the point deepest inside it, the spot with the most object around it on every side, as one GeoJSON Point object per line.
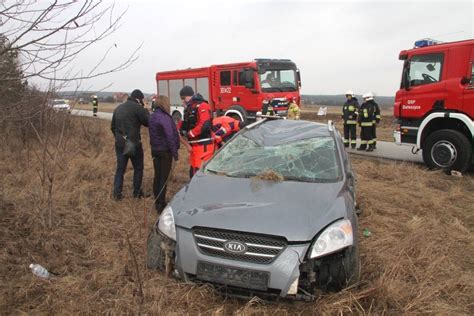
{"type": "Point", "coordinates": [164, 141]}
{"type": "Point", "coordinates": [127, 119]}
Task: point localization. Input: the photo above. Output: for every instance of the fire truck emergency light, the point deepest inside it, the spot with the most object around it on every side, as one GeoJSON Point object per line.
{"type": "Point", "coordinates": [426, 42]}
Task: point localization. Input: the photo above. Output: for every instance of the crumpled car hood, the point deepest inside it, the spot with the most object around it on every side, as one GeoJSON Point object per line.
{"type": "Point", "coordinates": [294, 210]}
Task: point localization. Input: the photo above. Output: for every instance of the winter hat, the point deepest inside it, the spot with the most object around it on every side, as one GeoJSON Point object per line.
{"type": "Point", "coordinates": [137, 94]}
{"type": "Point", "coordinates": [186, 91]}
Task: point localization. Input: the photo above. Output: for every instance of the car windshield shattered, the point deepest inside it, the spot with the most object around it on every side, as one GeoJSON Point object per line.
{"type": "Point", "coordinates": [308, 160]}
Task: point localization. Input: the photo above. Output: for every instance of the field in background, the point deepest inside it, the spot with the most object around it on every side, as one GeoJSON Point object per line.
{"type": "Point", "coordinates": [418, 259]}
{"type": "Point", "coordinates": [384, 130]}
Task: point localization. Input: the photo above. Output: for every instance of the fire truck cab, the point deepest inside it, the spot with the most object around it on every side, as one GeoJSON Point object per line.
{"type": "Point", "coordinates": [236, 90]}
{"type": "Point", "coordinates": [434, 106]}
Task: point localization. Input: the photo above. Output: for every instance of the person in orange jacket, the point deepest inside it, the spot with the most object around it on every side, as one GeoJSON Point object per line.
{"type": "Point", "coordinates": [197, 128]}
{"type": "Point", "coordinates": [224, 127]}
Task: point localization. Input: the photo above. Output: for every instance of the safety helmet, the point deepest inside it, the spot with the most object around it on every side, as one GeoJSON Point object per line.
{"type": "Point", "coordinates": [368, 96]}
{"type": "Point", "coordinates": [350, 92]}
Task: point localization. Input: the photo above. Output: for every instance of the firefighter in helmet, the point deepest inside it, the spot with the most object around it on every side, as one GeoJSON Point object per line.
{"type": "Point", "coordinates": [196, 127]}
{"type": "Point", "coordinates": [224, 128]}
{"type": "Point", "coordinates": [366, 118]}
{"type": "Point", "coordinates": [267, 108]}
{"type": "Point", "coordinates": [95, 105]}
{"type": "Point", "coordinates": [349, 115]}
{"type": "Point", "coordinates": [293, 109]}
{"type": "Point", "coordinates": [375, 122]}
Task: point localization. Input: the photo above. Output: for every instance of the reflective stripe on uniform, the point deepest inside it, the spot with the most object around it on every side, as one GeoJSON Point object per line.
{"type": "Point", "coordinates": [366, 124]}
{"type": "Point", "coordinates": [366, 114]}
{"type": "Point", "coordinates": [370, 142]}
{"type": "Point", "coordinates": [377, 116]}
{"type": "Point", "coordinates": [353, 141]}
{"type": "Point", "coordinates": [351, 108]}
{"type": "Point", "coordinates": [346, 141]}
{"type": "Point", "coordinates": [350, 122]}
{"type": "Point", "coordinates": [363, 142]}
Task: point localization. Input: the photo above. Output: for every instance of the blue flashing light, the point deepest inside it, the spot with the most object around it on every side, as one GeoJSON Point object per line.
{"type": "Point", "coordinates": [425, 42]}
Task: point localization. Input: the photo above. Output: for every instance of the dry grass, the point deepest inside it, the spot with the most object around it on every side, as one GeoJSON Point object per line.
{"type": "Point", "coordinates": [103, 106]}
{"type": "Point", "coordinates": [419, 258]}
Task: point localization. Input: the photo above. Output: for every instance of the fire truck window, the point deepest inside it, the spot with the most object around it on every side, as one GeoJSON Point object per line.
{"type": "Point", "coordinates": [425, 69]}
{"type": "Point", "coordinates": [225, 78]}
{"type": "Point", "coordinates": [243, 75]}
{"type": "Point", "coordinates": [174, 87]}
{"type": "Point", "coordinates": [472, 72]}
{"type": "Point", "coordinates": [234, 74]}
{"type": "Point", "coordinates": [163, 87]}
{"type": "Point", "coordinates": [191, 83]}
{"type": "Point", "coordinates": [202, 86]}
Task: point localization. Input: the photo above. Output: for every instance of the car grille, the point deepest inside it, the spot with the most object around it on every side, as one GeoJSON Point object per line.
{"type": "Point", "coordinates": [260, 249]}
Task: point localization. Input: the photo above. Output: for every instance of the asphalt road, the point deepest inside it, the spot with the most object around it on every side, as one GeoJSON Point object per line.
{"type": "Point", "coordinates": [386, 150]}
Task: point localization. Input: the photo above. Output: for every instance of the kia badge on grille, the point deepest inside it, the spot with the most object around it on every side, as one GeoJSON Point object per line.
{"type": "Point", "coordinates": [235, 247]}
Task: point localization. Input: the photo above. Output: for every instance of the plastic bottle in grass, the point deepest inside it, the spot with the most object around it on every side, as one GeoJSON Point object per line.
{"type": "Point", "coordinates": [40, 271]}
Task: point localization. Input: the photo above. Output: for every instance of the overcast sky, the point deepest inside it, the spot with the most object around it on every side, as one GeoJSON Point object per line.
{"type": "Point", "coordinates": [336, 45]}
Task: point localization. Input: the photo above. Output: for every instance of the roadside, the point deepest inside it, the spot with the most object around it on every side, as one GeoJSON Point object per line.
{"type": "Point", "coordinates": [419, 257]}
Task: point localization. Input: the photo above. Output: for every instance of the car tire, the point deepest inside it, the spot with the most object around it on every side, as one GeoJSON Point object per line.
{"type": "Point", "coordinates": [447, 149]}
{"type": "Point", "coordinates": [338, 271]}
{"type": "Point", "coordinates": [155, 256]}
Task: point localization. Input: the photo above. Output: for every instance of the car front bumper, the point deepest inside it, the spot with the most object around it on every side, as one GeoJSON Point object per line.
{"type": "Point", "coordinates": [280, 276]}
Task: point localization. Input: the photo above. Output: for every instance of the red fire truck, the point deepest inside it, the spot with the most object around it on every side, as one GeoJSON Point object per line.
{"type": "Point", "coordinates": [435, 104]}
{"type": "Point", "coordinates": [237, 90]}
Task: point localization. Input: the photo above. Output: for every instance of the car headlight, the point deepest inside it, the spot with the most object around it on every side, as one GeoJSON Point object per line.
{"type": "Point", "coordinates": [336, 236]}
{"type": "Point", "coordinates": [166, 223]}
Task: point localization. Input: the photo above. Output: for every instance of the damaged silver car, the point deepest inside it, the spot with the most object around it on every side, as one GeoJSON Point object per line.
{"type": "Point", "coordinates": [272, 213]}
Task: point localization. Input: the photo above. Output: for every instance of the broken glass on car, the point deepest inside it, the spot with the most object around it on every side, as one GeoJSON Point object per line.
{"type": "Point", "coordinates": [310, 160]}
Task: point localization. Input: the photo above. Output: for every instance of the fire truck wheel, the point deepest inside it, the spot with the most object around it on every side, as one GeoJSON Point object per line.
{"type": "Point", "coordinates": [447, 149]}
{"type": "Point", "coordinates": [176, 116]}
{"type": "Point", "coordinates": [232, 112]}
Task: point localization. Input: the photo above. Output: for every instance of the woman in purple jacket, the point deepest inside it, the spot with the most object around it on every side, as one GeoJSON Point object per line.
{"type": "Point", "coordinates": [164, 141]}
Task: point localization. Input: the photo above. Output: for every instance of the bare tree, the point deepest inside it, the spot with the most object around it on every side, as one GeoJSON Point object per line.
{"type": "Point", "coordinates": [48, 37]}
{"type": "Point", "coordinates": [41, 40]}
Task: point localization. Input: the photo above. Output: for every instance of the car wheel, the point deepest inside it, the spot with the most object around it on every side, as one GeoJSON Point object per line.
{"type": "Point", "coordinates": [340, 270]}
{"type": "Point", "coordinates": [447, 149]}
{"type": "Point", "coordinates": [155, 256]}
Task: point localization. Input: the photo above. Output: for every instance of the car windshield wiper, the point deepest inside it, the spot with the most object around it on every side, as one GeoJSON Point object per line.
{"type": "Point", "coordinates": [240, 174]}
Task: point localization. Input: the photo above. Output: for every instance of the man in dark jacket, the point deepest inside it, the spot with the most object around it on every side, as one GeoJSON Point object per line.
{"type": "Point", "coordinates": [349, 115]}
{"type": "Point", "coordinates": [164, 141]}
{"type": "Point", "coordinates": [127, 119]}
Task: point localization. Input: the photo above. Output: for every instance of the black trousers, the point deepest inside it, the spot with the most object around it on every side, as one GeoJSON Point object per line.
{"type": "Point", "coordinates": [365, 136]}
{"type": "Point", "coordinates": [162, 161]}
{"type": "Point", "coordinates": [374, 133]}
{"type": "Point", "coordinates": [350, 135]}
{"type": "Point", "coordinates": [122, 161]}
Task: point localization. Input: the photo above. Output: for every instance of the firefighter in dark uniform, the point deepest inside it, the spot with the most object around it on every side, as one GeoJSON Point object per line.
{"type": "Point", "coordinates": [95, 105]}
{"type": "Point", "coordinates": [366, 118]}
{"type": "Point", "coordinates": [375, 122]}
{"type": "Point", "coordinates": [197, 127]}
{"type": "Point", "coordinates": [349, 115]}
{"type": "Point", "coordinates": [267, 108]}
